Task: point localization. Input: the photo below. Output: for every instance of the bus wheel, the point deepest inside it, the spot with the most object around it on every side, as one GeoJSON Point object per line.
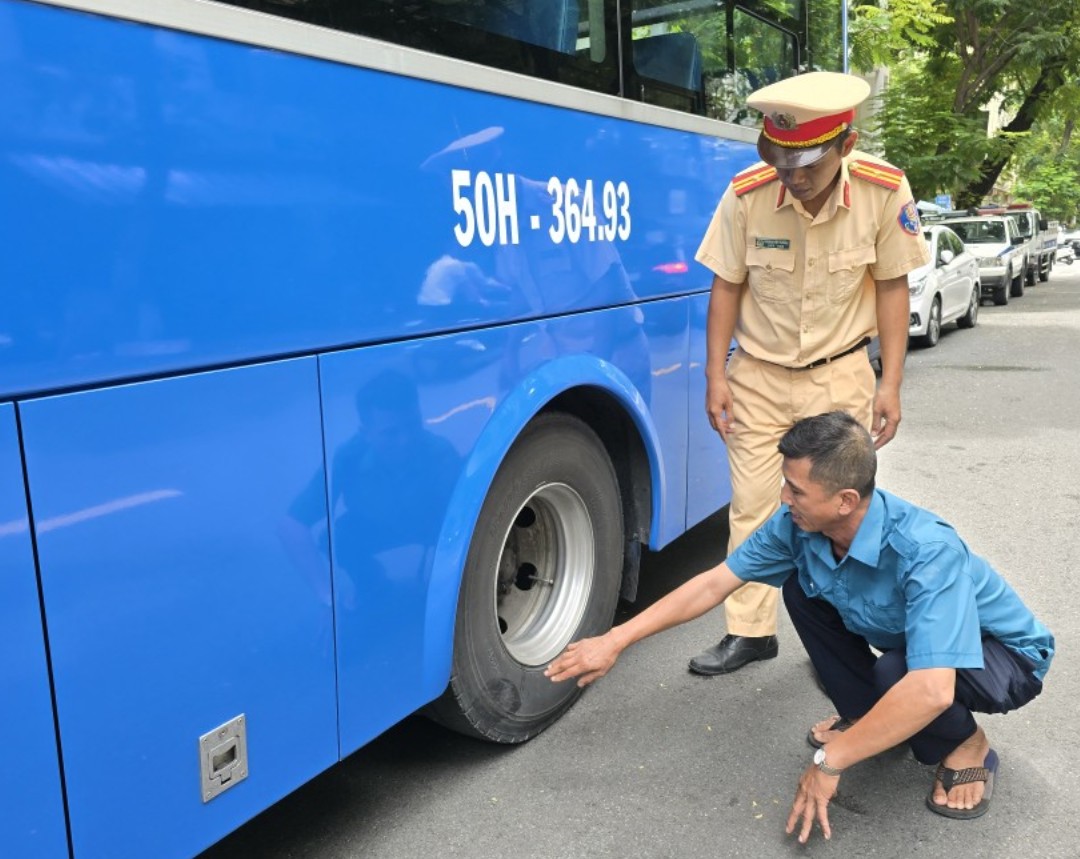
{"type": "Point", "coordinates": [543, 570]}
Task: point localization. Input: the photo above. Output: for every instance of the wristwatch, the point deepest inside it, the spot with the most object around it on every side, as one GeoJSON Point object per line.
{"type": "Point", "coordinates": [819, 762]}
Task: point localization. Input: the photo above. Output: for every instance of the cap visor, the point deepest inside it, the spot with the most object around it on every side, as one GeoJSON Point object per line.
{"type": "Point", "coordinates": [788, 158]}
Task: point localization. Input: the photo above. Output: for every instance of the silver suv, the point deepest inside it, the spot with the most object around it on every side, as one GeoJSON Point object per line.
{"type": "Point", "coordinates": [996, 243]}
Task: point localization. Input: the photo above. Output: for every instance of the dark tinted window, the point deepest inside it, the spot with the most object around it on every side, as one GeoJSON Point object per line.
{"type": "Point", "coordinates": [706, 56]}
{"type": "Point", "coordinates": [552, 39]}
{"type": "Point", "coordinates": [700, 56]}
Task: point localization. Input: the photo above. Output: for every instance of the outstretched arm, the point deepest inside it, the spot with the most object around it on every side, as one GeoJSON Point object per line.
{"type": "Point", "coordinates": [592, 658]}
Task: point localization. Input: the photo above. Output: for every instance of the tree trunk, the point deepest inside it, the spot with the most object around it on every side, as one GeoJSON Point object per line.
{"type": "Point", "coordinates": [1049, 79]}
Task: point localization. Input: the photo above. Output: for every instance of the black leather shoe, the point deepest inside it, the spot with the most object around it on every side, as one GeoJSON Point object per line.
{"type": "Point", "coordinates": [733, 652]}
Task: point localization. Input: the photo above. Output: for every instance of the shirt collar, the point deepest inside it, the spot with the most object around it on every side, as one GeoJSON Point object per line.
{"type": "Point", "coordinates": [866, 547]}
{"type": "Point", "coordinates": [843, 198]}
{"type": "Point", "coordinates": [783, 198]}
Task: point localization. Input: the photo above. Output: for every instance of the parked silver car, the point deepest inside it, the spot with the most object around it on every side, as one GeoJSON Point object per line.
{"type": "Point", "coordinates": [945, 289]}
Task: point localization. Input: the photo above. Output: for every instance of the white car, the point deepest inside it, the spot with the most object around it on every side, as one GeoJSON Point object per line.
{"type": "Point", "coordinates": [945, 289]}
{"type": "Point", "coordinates": [1000, 250]}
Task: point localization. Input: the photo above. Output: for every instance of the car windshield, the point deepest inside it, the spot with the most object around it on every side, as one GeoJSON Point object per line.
{"type": "Point", "coordinates": [979, 232]}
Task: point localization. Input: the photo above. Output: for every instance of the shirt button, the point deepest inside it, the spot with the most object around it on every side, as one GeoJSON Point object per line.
{"type": "Point", "coordinates": [811, 262]}
{"type": "Point", "coordinates": [768, 266]}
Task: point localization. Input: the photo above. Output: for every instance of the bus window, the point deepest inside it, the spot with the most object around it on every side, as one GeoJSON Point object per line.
{"type": "Point", "coordinates": [554, 39]}
{"type": "Point", "coordinates": [762, 55]}
{"type": "Point", "coordinates": [705, 57]}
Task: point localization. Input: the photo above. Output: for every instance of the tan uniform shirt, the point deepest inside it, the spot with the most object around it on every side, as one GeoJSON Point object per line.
{"type": "Point", "coordinates": [809, 291]}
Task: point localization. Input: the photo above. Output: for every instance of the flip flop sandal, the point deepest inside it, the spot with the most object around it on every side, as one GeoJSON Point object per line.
{"type": "Point", "coordinates": [841, 724]}
{"type": "Point", "coordinates": [949, 778]}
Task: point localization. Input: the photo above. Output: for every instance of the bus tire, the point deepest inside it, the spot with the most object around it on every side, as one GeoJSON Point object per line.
{"type": "Point", "coordinates": [543, 569]}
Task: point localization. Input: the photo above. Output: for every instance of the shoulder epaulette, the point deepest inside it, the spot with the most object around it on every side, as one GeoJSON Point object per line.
{"type": "Point", "coordinates": [879, 174]}
{"type": "Point", "coordinates": [753, 178]}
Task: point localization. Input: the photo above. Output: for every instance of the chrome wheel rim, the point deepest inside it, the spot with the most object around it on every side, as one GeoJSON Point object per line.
{"type": "Point", "coordinates": [545, 575]}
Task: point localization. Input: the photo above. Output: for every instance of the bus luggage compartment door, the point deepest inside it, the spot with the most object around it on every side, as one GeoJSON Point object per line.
{"type": "Point", "coordinates": [179, 596]}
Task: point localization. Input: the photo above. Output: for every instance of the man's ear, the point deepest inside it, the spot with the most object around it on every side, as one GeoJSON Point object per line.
{"type": "Point", "coordinates": [849, 143]}
{"type": "Point", "coordinates": [849, 500]}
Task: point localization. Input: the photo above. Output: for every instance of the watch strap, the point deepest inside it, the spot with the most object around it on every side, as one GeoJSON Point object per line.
{"type": "Point", "coordinates": [824, 767]}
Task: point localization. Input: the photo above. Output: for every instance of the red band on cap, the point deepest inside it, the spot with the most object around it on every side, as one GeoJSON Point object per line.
{"type": "Point", "coordinates": [809, 133]}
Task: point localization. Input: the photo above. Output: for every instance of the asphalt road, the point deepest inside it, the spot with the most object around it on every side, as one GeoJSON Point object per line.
{"type": "Point", "coordinates": [654, 762]}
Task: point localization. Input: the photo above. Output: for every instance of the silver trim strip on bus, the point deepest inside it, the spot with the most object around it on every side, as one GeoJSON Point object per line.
{"type": "Point", "coordinates": [218, 20]}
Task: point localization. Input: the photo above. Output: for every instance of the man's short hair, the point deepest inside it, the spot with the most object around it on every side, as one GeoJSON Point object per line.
{"type": "Point", "coordinates": [839, 448]}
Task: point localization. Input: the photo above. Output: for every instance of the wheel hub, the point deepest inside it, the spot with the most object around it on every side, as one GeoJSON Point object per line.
{"type": "Point", "coordinates": [546, 573]}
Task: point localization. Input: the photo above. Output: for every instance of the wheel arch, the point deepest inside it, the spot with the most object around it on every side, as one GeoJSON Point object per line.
{"type": "Point", "coordinates": [603, 397]}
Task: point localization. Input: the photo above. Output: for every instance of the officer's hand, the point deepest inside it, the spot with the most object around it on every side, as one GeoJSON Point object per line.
{"type": "Point", "coordinates": [812, 803]}
{"type": "Point", "coordinates": [588, 659]}
{"type": "Point", "coordinates": [886, 418]}
{"type": "Point", "coordinates": [719, 406]}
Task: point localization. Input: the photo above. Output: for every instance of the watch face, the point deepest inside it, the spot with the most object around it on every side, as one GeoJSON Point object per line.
{"type": "Point", "coordinates": [819, 757]}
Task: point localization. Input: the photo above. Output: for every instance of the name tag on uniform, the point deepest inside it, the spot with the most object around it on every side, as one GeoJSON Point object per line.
{"type": "Point", "coordinates": [777, 244]}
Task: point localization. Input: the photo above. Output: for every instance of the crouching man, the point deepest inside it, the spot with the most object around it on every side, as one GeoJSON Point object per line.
{"type": "Point", "coordinates": [864, 571]}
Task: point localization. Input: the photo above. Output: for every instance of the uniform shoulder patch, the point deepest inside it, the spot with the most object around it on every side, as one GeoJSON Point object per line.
{"type": "Point", "coordinates": [753, 178]}
{"type": "Point", "coordinates": [879, 174]}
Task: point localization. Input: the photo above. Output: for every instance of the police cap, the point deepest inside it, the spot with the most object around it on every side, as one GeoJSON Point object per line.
{"type": "Point", "coordinates": [805, 114]}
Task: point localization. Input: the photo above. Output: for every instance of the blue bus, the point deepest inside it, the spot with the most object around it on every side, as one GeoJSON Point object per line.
{"type": "Point", "coordinates": [350, 357]}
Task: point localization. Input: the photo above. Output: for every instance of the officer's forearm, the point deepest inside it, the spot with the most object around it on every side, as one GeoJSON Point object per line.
{"type": "Point", "coordinates": [893, 313]}
{"type": "Point", "coordinates": [720, 323]}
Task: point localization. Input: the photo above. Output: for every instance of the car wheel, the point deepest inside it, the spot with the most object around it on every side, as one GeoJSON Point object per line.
{"type": "Point", "coordinates": [971, 315]}
{"type": "Point", "coordinates": [1001, 293]}
{"type": "Point", "coordinates": [933, 326]}
{"type": "Point", "coordinates": [543, 569]}
{"type": "Point", "coordinates": [1017, 290]}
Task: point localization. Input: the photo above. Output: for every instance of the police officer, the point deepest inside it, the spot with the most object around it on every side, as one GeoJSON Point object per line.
{"type": "Point", "coordinates": [810, 251]}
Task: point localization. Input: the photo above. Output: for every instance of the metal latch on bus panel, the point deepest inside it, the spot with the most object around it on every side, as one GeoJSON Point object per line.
{"type": "Point", "coordinates": [223, 757]}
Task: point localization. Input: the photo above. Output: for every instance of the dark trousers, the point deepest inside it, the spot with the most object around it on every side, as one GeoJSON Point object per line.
{"type": "Point", "coordinates": [855, 678]}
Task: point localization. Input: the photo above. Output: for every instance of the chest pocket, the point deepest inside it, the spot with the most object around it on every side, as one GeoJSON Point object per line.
{"type": "Point", "coordinates": [847, 270]}
{"type": "Point", "coordinates": [771, 274]}
{"type": "Point", "coordinates": [882, 620]}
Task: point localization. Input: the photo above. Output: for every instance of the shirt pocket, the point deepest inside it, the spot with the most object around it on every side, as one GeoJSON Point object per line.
{"type": "Point", "coordinates": [771, 274]}
{"type": "Point", "coordinates": [846, 271]}
{"type": "Point", "coordinates": [884, 619]}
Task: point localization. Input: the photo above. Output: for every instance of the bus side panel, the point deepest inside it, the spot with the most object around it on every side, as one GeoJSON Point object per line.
{"type": "Point", "coordinates": [179, 597]}
{"type": "Point", "coordinates": [403, 423]}
{"type": "Point", "coordinates": [32, 822]}
{"type": "Point", "coordinates": [708, 477]}
{"type": "Point", "coordinates": [179, 196]}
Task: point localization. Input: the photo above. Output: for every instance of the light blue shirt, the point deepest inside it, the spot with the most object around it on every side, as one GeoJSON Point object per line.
{"type": "Point", "coordinates": [908, 580]}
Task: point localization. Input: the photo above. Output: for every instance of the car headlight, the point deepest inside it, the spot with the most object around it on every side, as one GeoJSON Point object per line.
{"type": "Point", "coordinates": [990, 262]}
{"type": "Point", "coordinates": [917, 285]}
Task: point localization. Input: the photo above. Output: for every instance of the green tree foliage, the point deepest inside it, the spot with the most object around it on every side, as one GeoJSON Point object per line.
{"type": "Point", "coordinates": [1048, 163]}
{"type": "Point", "coordinates": [882, 34]}
{"type": "Point", "coordinates": [949, 59]}
{"type": "Point", "coordinates": [939, 151]}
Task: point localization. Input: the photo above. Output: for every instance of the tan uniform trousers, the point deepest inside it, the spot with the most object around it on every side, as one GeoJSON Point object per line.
{"type": "Point", "coordinates": [768, 400]}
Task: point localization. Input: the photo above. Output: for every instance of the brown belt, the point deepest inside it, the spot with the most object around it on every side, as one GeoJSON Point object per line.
{"type": "Point", "coordinates": [820, 362]}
